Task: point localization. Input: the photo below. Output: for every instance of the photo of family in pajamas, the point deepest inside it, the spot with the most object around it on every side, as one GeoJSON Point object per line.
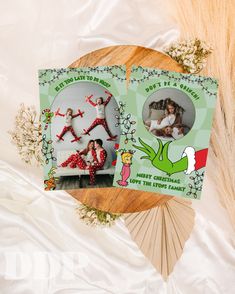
{"type": "Point", "coordinates": [92, 158]}
{"type": "Point", "coordinates": [168, 118]}
{"type": "Point", "coordinates": [84, 135]}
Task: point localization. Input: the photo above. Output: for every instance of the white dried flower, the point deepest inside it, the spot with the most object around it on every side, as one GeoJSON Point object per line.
{"type": "Point", "coordinates": [27, 134]}
{"type": "Point", "coordinates": [191, 54]}
{"type": "Point", "coordinates": [94, 217]}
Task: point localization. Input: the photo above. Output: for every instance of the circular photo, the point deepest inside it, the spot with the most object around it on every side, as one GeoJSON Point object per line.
{"type": "Point", "coordinates": [168, 114]}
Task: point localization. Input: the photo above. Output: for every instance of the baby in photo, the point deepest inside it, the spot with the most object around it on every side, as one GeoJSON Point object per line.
{"type": "Point", "coordinates": [175, 132]}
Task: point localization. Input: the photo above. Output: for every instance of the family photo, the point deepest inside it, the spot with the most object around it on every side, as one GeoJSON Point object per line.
{"type": "Point", "coordinates": [168, 114]}
{"type": "Point", "coordinates": [84, 135]}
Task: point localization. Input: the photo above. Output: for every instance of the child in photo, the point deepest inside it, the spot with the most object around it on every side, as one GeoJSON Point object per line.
{"type": "Point", "coordinates": [175, 132]}
{"type": "Point", "coordinates": [69, 116]}
{"type": "Point", "coordinates": [100, 115]}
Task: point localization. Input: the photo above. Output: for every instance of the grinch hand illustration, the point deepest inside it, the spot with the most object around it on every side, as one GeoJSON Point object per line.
{"type": "Point", "coordinates": [190, 160]}
{"type": "Point", "coordinates": [126, 167]}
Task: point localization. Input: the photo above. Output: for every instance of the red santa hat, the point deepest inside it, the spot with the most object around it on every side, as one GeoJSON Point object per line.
{"type": "Point", "coordinates": [196, 159]}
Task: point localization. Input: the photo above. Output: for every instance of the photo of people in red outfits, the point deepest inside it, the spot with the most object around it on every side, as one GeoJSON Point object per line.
{"type": "Point", "coordinates": [84, 132]}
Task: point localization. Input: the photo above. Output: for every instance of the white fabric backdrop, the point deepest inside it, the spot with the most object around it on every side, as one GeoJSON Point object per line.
{"type": "Point", "coordinates": [42, 34]}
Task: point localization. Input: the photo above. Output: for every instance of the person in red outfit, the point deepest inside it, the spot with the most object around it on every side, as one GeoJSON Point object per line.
{"type": "Point", "coordinates": [100, 115]}
{"type": "Point", "coordinates": [82, 159]}
{"type": "Point", "coordinates": [89, 153]}
{"type": "Point", "coordinates": [68, 123]}
{"type": "Point", "coordinates": [99, 156]}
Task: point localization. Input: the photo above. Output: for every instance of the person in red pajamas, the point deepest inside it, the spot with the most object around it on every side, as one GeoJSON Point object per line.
{"type": "Point", "coordinates": [100, 115]}
{"type": "Point", "coordinates": [82, 159]}
{"type": "Point", "coordinates": [68, 123]}
{"type": "Point", "coordinates": [88, 153]}
{"type": "Point", "coordinates": [99, 156]}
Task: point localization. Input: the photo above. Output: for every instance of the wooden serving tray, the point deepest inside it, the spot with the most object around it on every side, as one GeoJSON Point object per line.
{"type": "Point", "coordinates": [119, 199]}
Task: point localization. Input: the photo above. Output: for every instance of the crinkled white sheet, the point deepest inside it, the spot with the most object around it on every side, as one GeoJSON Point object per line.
{"type": "Point", "coordinates": [40, 34]}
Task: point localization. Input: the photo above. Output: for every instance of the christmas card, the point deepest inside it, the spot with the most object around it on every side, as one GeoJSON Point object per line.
{"type": "Point", "coordinates": [166, 123]}
{"type": "Point", "coordinates": [80, 125]}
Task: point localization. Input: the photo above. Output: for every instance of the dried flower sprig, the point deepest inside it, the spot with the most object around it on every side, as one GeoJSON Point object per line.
{"type": "Point", "coordinates": [191, 54]}
{"type": "Point", "coordinates": [27, 135]}
{"type": "Point", "coordinates": [94, 217]}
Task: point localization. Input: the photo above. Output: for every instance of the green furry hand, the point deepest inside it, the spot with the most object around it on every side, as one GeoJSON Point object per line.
{"type": "Point", "coordinates": [160, 158]}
